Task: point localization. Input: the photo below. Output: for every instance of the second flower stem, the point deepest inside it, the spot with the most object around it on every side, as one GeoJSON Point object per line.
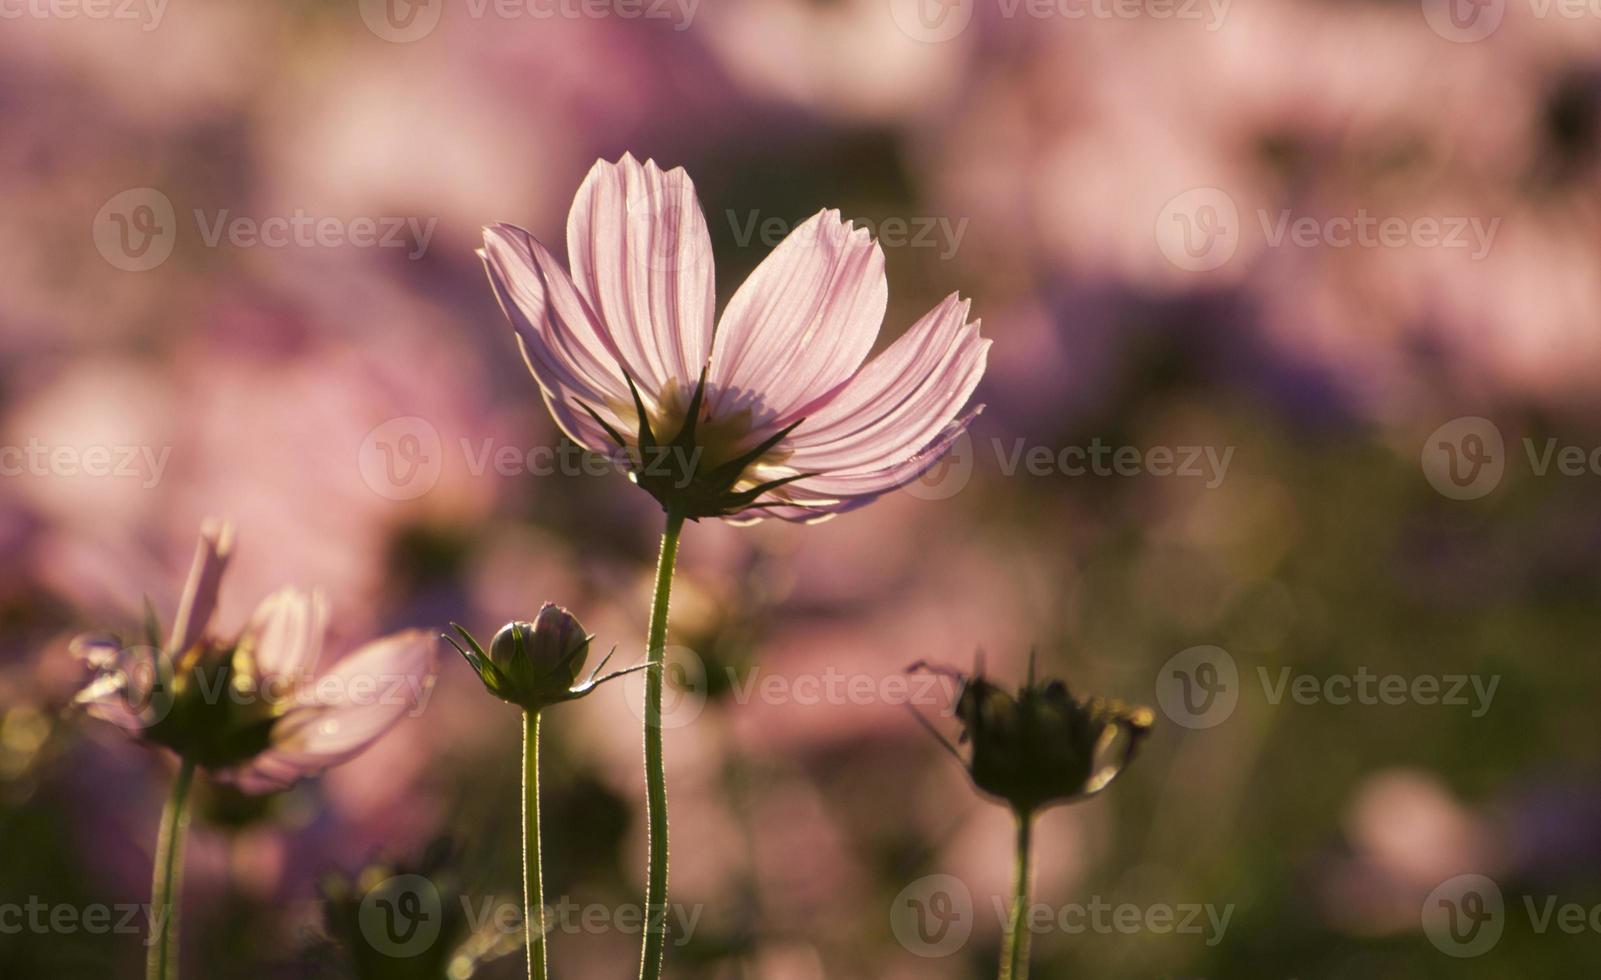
{"type": "Point", "coordinates": [533, 869]}
{"type": "Point", "coordinates": [166, 888]}
{"type": "Point", "coordinates": [655, 933]}
{"type": "Point", "coordinates": [1014, 957]}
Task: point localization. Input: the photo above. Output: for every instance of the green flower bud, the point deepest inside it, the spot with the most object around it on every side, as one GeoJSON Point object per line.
{"type": "Point", "coordinates": [534, 665]}
{"type": "Point", "coordinates": [1044, 746]}
{"type": "Point", "coordinates": [542, 658]}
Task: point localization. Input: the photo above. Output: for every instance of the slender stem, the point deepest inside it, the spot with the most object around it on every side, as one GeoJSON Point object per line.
{"type": "Point", "coordinates": [166, 887]}
{"type": "Point", "coordinates": [533, 868]}
{"type": "Point", "coordinates": [655, 935]}
{"type": "Point", "coordinates": [1014, 957]}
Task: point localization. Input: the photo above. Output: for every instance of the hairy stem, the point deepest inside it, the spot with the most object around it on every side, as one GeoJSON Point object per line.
{"type": "Point", "coordinates": [1014, 955]}
{"type": "Point", "coordinates": [655, 934]}
{"type": "Point", "coordinates": [533, 869]}
{"type": "Point", "coordinates": [166, 887]}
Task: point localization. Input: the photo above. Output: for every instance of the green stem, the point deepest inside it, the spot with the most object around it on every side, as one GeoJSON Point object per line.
{"type": "Point", "coordinates": [655, 935]}
{"type": "Point", "coordinates": [1014, 957]}
{"type": "Point", "coordinates": [533, 868]}
{"type": "Point", "coordinates": [166, 886]}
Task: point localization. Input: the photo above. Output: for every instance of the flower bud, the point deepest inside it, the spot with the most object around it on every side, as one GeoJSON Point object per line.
{"type": "Point", "coordinates": [533, 665]}
{"type": "Point", "coordinates": [544, 656]}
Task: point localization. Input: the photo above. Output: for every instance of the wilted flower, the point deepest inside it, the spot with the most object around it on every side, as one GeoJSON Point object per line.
{"type": "Point", "coordinates": [779, 416]}
{"type": "Point", "coordinates": [250, 709]}
{"type": "Point", "coordinates": [534, 665]}
{"type": "Point", "coordinates": [1043, 746]}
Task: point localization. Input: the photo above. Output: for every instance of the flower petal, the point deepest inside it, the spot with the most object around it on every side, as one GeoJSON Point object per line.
{"type": "Point", "coordinates": [344, 711]}
{"type": "Point", "coordinates": [814, 499]}
{"type": "Point", "coordinates": [199, 599]}
{"type": "Point", "coordinates": [801, 324]}
{"type": "Point", "coordinates": [641, 257]}
{"type": "Point", "coordinates": [285, 635]}
{"type": "Point", "coordinates": [564, 345]}
{"type": "Point", "coordinates": [900, 402]}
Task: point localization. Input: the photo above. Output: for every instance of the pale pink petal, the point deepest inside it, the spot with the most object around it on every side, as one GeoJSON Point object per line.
{"type": "Point", "coordinates": [820, 497]}
{"type": "Point", "coordinates": [564, 345]}
{"type": "Point", "coordinates": [345, 711]}
{"type": "Point", "coordinates": [641, 257]}
{"type": "Point", "coordinates": [285, 635]}
{"type": "Point", "coordinates": [199, 599]}
{"type": "Point", "coordinates": [899, 403]}
{"type": "Point", "coordinates": [801, 324]}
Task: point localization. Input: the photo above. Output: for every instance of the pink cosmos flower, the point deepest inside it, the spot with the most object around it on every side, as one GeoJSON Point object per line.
{"type": "Point", "coordinates": [773, 412]}
{"type": "Point", "coordinates": [251, 710]}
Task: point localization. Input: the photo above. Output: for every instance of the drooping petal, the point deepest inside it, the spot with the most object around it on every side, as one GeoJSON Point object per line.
{"type": "Point", "coordinates": [199, 599]}
{"type": "Point", "coordinates": [565, 346]}
{"type": "Point", "coordinates": [345, 711]}
{"type": "Point", "coordinates": [801, 324]}
{"type": "Point", "coordinates": [285, 635]}
{"type": "Point", "coordinates": [642, 259]}
{"type": "Point", "coordinates": [899, 403]}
